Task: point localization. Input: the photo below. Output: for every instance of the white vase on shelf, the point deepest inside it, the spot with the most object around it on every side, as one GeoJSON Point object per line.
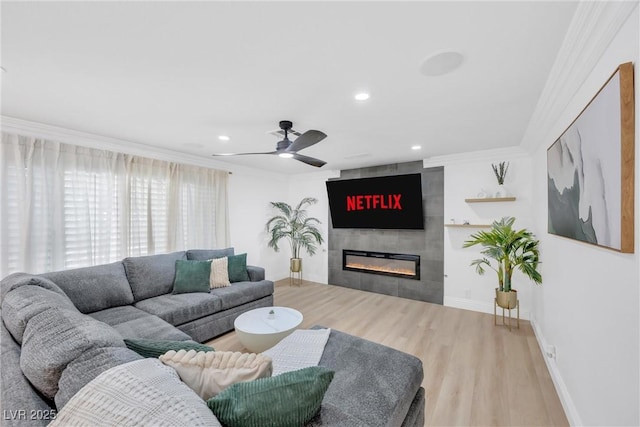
{"type": "Point", "coordinates": [501, 191]}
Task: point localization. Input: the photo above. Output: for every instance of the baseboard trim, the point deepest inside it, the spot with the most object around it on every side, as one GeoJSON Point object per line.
{"type": "Point", "coordinates": [561, 388]}
{"type": "Point", "coordinates": [473, 305]}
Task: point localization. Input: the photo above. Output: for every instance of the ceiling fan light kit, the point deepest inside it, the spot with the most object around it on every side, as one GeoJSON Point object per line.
{"type": "Point", "coordinates": [287, 149]}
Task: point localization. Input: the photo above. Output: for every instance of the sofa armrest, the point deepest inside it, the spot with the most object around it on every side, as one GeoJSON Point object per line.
{"type": "Point", "coordinates": [255, 273]}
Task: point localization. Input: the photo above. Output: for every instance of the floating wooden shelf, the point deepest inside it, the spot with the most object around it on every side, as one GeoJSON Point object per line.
{"type": "Point", "coordinates": [491, 199]}
{"type": "Point", "coordinates": [468, 225]}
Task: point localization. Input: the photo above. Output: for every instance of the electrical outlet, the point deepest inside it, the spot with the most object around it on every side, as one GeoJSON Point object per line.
{"type": "Point", "coordinates": [551, 351]}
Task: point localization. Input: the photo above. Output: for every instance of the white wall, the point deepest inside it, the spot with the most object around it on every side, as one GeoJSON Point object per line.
{"type": "Point", "coordinates": [464, 177]}
{"type": "Point", "coordinates": [589, 304]}
{"type": "Point", "coordinates": [249, 209]}
{"type": "Point", "coordinates": [315, 268]}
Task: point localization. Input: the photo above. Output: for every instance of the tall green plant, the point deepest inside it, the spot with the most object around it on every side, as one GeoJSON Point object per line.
{"type": "Point", "coordinates": [294, 225]}
{"type": "Point", "coordinates": [510, 249]}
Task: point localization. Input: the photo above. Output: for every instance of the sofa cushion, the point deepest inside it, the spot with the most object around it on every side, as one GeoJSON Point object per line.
{"type": "Point", "coordinates": [255, 273]}
{"type": "Point", "coordinates": [17, 393]}
{"type": "Point", "coordinates": [192, 276]}
{"type": "Point", "coordinates": [153, 275]}
{"type": "Point", "coordinates": [156, 348]}
{"type": "Point", "coordinates": [287, 400]}
{"type": "Point", "coordinates": [21, 304]}
{"type": "Point", "coordinates": [242, 292]}
{"type": "Point", "coordinates": [182, 308]}
{"type": "Point", "coordinates": [131, 322]}
{"type": "Point", "coordinates": [89, 365]}
{"type": "Point", "coordinates": [94, 288]}
{"type": "Point", "coordinates": [210, 373]}
{"type": "Point", "coordinates": [16, 280]}
{"type": "Point", "coordinates": [238, 268]}
{"type": "Point", "coordinates": [54, 338]}
{"type": "Point", "coordinates": [205, 254]}
{"type": "Point", "coordinates": [390, 377]}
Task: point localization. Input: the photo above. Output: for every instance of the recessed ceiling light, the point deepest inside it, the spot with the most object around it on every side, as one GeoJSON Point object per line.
{"type": "Point", "coordinates": [224, 138]}
{"type": "Point", "coordinates": [285, 155]}
{"type": "Point", "coordinates": [416, 147]}
{"type": "Point", "coordinates": [362, 96]}
{"type": "Point", "coordinates": [441, 62]}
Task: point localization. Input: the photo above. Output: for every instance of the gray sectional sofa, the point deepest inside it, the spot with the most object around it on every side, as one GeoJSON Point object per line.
{"type": "Point", "coordinates": [62, 329]}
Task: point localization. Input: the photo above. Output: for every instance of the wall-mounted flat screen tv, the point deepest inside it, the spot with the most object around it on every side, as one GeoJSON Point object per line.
{"type": "Point", "coordinates": [390, 202]}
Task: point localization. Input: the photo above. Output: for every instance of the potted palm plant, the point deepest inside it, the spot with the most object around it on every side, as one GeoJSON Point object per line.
{"type": "Point", "coordinates": [511, 250]}
{"type": "Point", "coordinates": [297, 227]}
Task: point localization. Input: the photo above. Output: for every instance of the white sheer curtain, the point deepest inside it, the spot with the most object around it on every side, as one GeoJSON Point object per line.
{"type": "Point", "coordinates": [65, 206]}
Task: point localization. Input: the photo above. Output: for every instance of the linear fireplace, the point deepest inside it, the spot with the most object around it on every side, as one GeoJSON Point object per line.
{"type": "Point", "coordinates": [387, 264]}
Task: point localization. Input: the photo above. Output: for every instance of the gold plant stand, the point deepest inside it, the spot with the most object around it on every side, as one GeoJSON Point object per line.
{"type": "Point", "coordinates": [295, 278]}
{"type": "Point", "coordinates": [495, 315]}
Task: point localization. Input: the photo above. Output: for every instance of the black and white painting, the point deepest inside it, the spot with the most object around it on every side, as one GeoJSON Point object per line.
{"type": "Point", "coordinates": [584, 173]}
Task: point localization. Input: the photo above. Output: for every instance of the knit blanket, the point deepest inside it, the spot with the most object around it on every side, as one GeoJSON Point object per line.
{"type": "Point", "coordinates": [139, 393]}
{"type": "Point", "coordinates": [301, 349]}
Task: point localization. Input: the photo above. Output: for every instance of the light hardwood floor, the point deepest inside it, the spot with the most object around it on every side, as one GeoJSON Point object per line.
{"type": "Point", "coordinates": [475, 373]}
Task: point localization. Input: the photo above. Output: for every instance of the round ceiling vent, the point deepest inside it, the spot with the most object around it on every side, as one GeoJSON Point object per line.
{"type": "Point", "coordinates": [441, 62]}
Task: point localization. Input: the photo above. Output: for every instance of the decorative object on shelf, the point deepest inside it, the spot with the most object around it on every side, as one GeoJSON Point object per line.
{"type": "Point", "coordinates": [491, 199]}
{"type": "Point", "coordinates": [468, 225]}
{"type": "Point", "coordinates": [453, 220]}
{"type": "Point", "coordinates": [465, 221]}
{"type": "Point", "coordinates": [500, 170]}
{"type": "Point", "coordinates": [590, 169]}
{"type": "Point", "coordinates": [295, 225]}
{"type": "Point", "coordinates": [482, 194]}
{"type": "Point", "coordinates": [510, 249]}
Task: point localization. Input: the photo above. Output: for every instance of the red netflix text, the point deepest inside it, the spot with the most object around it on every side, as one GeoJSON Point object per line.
{"type": "Point", "coordinates": [374, 201]}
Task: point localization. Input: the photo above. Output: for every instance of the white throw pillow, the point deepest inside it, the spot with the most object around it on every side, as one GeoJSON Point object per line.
{"type": "Point", "coordinates": [209, 373]}
{"type": "Point", "coordinates": [219, 277]}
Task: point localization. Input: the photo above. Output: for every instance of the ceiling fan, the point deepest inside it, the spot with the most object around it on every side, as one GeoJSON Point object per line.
{"type": "Point", "coordinates": [288, 149]}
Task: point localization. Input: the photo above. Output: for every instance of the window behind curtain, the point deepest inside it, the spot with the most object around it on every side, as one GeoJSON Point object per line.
{"type": "Point", "coordinates": [65, 206]}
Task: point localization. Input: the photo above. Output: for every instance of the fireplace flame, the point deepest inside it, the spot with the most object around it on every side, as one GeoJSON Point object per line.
{"type": "Point", "coordinates": [403, 271]}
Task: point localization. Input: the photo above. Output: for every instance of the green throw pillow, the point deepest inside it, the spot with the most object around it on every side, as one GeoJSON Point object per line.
{"type": "Point", "coordinates": [156, 348]}
{"type": "Point", "coordinates": [238, 268]}
{"type": "Point", "coordinates": [192, 276]}
{"type": "Point", "coordinates": [286, 400]}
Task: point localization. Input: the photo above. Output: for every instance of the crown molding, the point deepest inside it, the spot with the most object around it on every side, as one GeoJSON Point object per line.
{"type": "Point", "coordinates": [508, 153]}
{"type": "Point", "coordinates": [593, 27]}
{"type": "Point", "coordinates": [91, 140]}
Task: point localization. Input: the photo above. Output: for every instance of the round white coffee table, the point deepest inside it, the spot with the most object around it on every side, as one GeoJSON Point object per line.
{"type": "Point", "coordinates": [258, 331]}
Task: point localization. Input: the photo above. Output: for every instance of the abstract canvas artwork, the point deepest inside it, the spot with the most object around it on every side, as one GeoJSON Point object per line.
{"type": "Point", "coordinates": [590, 169]}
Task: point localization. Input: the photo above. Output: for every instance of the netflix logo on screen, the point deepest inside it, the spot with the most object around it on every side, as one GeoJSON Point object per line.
{"type": "Point", "coordinates": [374, 201]}
{"type": "Point", "coordinates": [389, 202]}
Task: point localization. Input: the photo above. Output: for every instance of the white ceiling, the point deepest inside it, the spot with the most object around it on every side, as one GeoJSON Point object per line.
{"type": "Point", "coordinates": [178, 74]}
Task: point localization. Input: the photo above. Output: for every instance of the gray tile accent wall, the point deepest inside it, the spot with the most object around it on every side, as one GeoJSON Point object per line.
{"type": "Point", "coordinates": [427, 243]}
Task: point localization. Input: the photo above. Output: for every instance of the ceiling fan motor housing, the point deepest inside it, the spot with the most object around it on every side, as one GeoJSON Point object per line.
{"type": "Point", "coordinates": [286, 125]}
{"type": "Point", "coordinates": [283, 145]}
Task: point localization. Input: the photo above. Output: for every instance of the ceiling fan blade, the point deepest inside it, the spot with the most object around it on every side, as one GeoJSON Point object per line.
{"type": "Point", "coordinates": [242, 154]}
{"type": "Point", "coordinates": [307, 139]}
{"type": "Point", "coordinates": [309, 160]}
